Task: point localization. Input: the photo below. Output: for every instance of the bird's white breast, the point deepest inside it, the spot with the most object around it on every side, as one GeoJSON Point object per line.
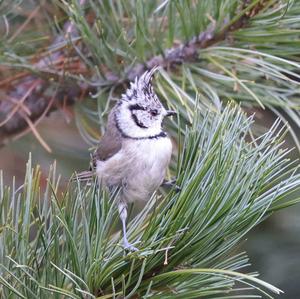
{"type": "Point", "coordinates": [152, 157]}
{"type": "Point", "coordinates": [139, 167]}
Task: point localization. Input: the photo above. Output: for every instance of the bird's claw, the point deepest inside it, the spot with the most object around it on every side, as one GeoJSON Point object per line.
{"type": "Point", "coordinates": [177, 188]}
{"type": "Point", "coordinates": [171, 183]}
{"type": "Point", "coordinates": [129, 247]}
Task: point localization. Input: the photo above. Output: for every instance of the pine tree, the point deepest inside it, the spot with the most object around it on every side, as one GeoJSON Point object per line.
{"type": "Point", "coordinates": [219, 61]}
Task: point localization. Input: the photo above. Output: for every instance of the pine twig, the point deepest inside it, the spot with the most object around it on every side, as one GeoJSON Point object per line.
{"type": "Point", "coordinates": [28, 94]}
{"type": "Point", "coordinates": [37, 102]}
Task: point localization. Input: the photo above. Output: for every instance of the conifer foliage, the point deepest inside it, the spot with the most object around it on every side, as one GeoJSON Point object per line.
{"type": "Point", "coordinates": [218, 61]}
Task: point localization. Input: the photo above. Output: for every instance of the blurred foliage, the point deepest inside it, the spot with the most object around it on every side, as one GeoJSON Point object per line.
{"type": "Point", "coordinates": [255, 62]}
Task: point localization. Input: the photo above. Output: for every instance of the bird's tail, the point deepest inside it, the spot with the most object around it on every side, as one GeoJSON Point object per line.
{"type": "Point", "coordinates": [84, 176]}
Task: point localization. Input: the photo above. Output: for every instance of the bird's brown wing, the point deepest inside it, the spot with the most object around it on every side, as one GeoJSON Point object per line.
{"type": "Point", "coordinates": [109, 145]}
{"type": "Point", "coordinates": [111, 141]}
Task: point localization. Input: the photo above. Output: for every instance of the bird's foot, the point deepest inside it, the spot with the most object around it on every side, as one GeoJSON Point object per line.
{"type": "Point", "coordinates": [129, 247]}
{"type": "Point", "coordinates": [177, 188]}
{"type": "Point", "coordinates": [171, 183]}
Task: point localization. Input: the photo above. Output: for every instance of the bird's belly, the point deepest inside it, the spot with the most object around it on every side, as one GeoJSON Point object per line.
{"type": "Point", "coordinates": [138, 168]}
{"type": "Point", "coordinates": [152, 158]}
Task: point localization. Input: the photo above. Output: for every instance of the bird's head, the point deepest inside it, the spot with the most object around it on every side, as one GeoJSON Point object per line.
{"type": "Point", "coordinates": [140, 113]}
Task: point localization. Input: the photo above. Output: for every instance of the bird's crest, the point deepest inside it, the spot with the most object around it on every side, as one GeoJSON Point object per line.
{"type": "Point", "coordinates": [141, 89]}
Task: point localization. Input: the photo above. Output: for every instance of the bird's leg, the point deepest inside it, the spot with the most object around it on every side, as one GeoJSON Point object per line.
{"type": "Point", "coordinates": [171, 183]}
{"type": "Point", "coordinates": [122, 206]}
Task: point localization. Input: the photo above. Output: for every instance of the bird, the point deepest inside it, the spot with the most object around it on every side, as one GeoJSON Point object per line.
{"type": "Point", "coordinates": [134, 151]}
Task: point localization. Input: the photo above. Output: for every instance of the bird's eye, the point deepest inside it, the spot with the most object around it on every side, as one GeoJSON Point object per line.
{"type": "Point", "coordinates": [154, 112]}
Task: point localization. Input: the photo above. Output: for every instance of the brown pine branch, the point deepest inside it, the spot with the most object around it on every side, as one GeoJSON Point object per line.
{"type": "Point", "coordinates": [37, 102]}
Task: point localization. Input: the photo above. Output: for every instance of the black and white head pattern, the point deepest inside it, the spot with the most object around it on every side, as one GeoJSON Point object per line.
{"type": "Point", "coordinates": [140, 113]}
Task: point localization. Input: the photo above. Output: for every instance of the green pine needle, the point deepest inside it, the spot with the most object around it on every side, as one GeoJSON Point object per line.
{"type": "Point", "coordinates": [66, 244]}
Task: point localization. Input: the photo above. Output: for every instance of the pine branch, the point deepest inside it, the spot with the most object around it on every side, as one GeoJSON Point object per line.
{"type": "Point", "coordinates": [64, 240]}
{"type": "Point", "coordinates": [15, 109]}
{"type": "Point", "coordinates": [20, 108]}
{"type": "Point", "coordinates": [189, 52]}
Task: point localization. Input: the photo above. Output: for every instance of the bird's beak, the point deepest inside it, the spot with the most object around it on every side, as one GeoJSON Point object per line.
{"type": "Point", "coordinates": [171, 113]}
